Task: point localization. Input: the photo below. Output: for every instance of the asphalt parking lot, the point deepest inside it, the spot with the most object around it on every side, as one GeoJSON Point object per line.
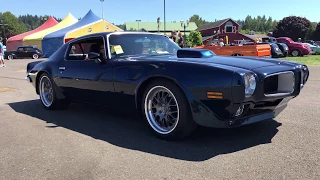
{"type": "Point", "coordinates": [89, 142]}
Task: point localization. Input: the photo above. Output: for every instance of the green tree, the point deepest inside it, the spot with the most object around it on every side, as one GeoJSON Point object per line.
{"type": "Point", "coordinates": [311, 33]}
{"type": "Point", "coordinates": [198, 20]}
{"type": "Point", "coordinates": [258, 24]}
{"type": "Point", "coordinates": [34, 21]}
{"type": "Point", "coordinates": [121, 26]}
{"type": "Point", "coordinates": [13, 27]}
{"type": "Point", "coordinates": [317, 32]}
{"type": "Point", "coordinates": [247, 23]}
{"type": "Point", "coordinates": [269, 25]}
{"type": "Point", "coordinates": [194, 39]}
{"type": "Point", "coordinates": [294, 27]}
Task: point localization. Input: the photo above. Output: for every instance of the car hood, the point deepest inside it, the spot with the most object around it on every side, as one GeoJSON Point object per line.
{"type": "Point", "coordinates": [244, 62]}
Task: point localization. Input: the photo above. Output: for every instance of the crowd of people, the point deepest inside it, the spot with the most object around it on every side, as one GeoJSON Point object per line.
{"type": "Point", "coordinates": [180, 40]}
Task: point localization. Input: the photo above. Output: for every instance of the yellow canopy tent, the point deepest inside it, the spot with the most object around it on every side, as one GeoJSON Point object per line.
{"type": "Point", "coordinates": [36, 39]}
{"type": "Point", "coordinates": [95, 27]}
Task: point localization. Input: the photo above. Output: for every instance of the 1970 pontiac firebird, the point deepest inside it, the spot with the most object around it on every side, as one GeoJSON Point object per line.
{"type": "Point", "coordinates": [175, 89]}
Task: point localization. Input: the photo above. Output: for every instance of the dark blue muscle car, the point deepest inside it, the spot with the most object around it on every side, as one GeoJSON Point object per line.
{"type": "Point", "coordinates": [174, 89]}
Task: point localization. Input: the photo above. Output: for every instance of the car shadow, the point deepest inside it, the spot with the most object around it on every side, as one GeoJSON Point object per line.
{"type": "Point", "coordinates": [125, 129]}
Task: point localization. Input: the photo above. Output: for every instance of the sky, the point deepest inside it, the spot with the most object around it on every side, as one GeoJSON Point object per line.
{"type": "Point", "coordinates": [121, 11]}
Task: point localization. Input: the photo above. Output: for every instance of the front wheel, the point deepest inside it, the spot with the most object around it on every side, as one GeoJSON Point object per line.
{"type": "Point", "coordinates": [35, 56]}
{"type": "Point", "coordinates": [47, 94]}
{"type": "Point", "coordinates": [167, 111]}
{"type": "Point", "coordinates": [10, 57]}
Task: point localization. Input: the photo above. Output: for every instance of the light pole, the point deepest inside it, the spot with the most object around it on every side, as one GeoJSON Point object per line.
{"type": "Point", "coordinates": [158, 21]}
{"type": "Point", "coordinates": [164, 14]}
{"type": "Point", "coordinates": [4, 31]}
{"type": "Point", "coordinates": [184, 25]}
{"type": "Point", "coordinates": [102, 8]}
{"type": "Point", "coordinates": [138, 24]}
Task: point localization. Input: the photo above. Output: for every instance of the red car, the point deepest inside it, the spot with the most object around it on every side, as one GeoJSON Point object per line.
{"type": "Point", "coordinates": [295, 49]}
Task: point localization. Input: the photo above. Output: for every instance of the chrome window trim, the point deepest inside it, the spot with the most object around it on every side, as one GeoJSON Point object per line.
{"type": "Point", "coordinates": [80, 39]}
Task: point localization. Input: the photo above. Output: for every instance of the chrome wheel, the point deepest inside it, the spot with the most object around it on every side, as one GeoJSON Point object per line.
{"type": "Point", "coordinates": [295, 53]}
{"type": "Point", "coordinates": [161, 109]}
{"type": "Point", "coordinates": [46, 91]}
{"type": "Point", "coordinates": [35, 56]}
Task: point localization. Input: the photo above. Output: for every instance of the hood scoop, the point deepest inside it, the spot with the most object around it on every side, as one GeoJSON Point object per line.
{"type": "Point", "coordinates": [194, 53]}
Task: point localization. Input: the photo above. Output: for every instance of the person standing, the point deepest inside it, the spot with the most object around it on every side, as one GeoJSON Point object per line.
{"type": "Point", "coordinates": [173, 36]}
{"type": "Point", "coordinates": [221, 43]}
{"type": "Point", "coordinates": [1, 54]}
{"type": "Point", "coordinates": [180, 40]}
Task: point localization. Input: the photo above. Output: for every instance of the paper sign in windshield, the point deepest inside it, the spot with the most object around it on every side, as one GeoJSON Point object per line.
{"type": "Point", "coordinates": [118, 49]}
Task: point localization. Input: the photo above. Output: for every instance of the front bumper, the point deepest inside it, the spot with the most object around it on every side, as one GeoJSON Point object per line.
{"type": "Point", "coordinates": [31, 78]}
{"type": "Point", "coordinates": [263, 105]}
{"type": "Point", "coordinates": [253, 113]}
{"type": "Point", "coordinates": [257, 113]}
{"type": "Point", "coordinates": [277, 55]}
{"type": "Point", "coordinates": [28, 78]}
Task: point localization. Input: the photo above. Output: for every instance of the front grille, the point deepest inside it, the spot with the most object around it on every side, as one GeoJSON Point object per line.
{"type": "Point", "coordinates": [271, 84]}
{"type": "Point", "coordinates": [279, 84]}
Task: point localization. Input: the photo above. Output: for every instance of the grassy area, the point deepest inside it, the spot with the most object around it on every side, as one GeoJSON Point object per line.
{"type": "Point", "coordinates": [310, 60]}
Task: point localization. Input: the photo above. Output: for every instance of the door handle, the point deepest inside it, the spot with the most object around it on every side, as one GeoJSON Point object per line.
{"type": "Point", "coordinates": [62, 68]}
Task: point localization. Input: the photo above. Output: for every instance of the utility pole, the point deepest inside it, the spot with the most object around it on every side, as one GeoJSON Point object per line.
{"type": "Point", "coordinates": [4, 31]}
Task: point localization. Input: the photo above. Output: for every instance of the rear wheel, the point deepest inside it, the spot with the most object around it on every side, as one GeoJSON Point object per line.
{"type": "Point", "coordinates": [47, 94]}
{"type": "Point", "coordinates": [167, 111]}
{"type": "Point", "coordinates": [295, 53]}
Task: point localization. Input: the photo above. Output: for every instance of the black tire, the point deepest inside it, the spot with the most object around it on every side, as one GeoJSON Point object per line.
{"type": "Point", "coordinates": [185, 123]}
{"type": "Point", "coordinates": [10, 57]}
{"type": "Point", "coordinates": [237, 54]}
{"type": "Point", "coordinates": [56, 103]}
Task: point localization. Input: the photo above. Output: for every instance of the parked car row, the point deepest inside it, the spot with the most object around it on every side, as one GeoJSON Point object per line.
{"type": "Point", "coordinates": [277, 49]}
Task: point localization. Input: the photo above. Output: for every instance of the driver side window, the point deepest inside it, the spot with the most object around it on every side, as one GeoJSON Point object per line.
{"type": "Point", "coordinates": [79, 50]}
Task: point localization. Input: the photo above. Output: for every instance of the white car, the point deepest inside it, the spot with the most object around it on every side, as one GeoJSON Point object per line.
{"type": "Point", "coordinates": [315, 49]}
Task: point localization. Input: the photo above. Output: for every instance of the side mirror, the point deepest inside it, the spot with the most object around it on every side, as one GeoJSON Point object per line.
{"type": "Point", "coordinates": [93, 55]}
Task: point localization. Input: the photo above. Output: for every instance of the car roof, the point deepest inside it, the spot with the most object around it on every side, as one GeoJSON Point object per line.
{"type": "Point", "coordinates": [283, 38]}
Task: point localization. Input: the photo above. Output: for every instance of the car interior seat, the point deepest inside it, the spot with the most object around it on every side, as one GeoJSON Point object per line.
{"type": "Point", "coordinates": [95, 48]}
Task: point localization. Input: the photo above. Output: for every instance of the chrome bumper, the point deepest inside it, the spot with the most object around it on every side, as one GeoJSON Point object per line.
{"type": "Point", "coordinates": [28, 78]}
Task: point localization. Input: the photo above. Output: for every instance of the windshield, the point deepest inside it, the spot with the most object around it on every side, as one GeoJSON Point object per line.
{"type": "Point", "coordinates": [290, 40]}
{"type": "Point", "coordinates": [140, 44]}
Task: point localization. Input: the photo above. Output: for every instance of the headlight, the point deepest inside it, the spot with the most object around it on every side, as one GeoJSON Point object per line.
{"type": "Point", "coordinates": [250, 84]}
{"type": "Point", "coordinates": [277, 49]}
